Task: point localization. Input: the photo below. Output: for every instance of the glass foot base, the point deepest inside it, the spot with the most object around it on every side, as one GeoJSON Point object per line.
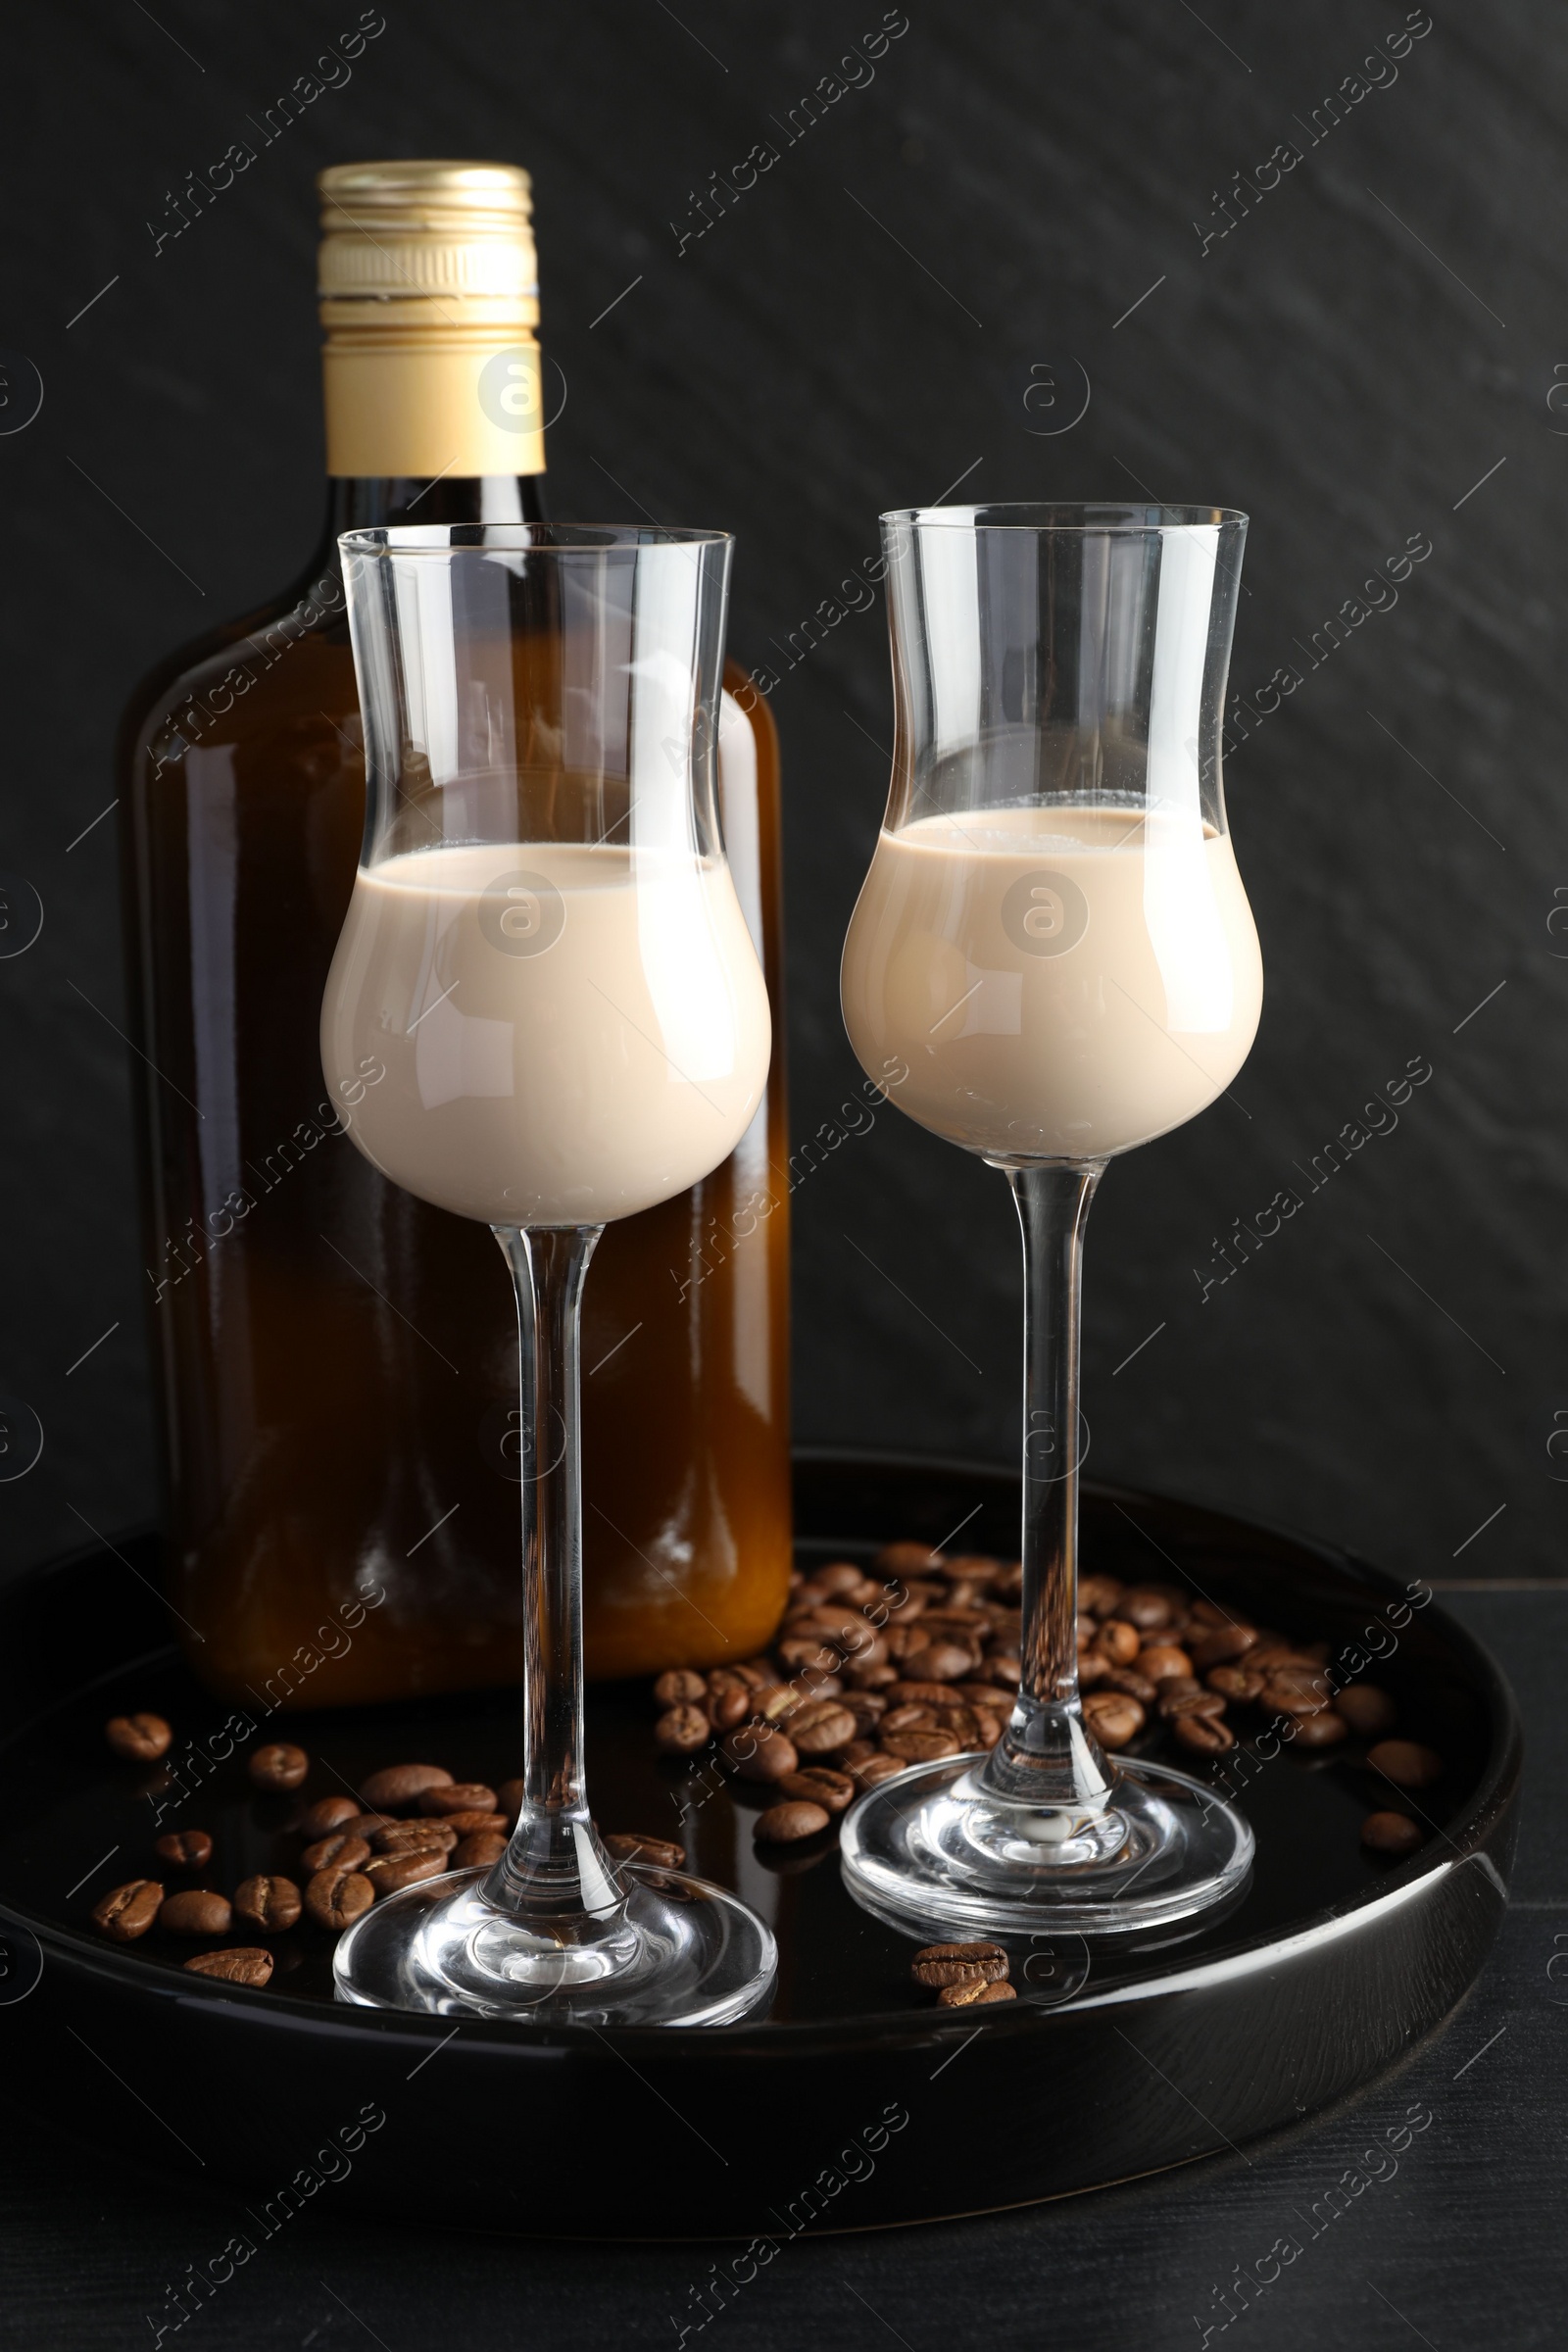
{"type": "Point", "coordinates": [934, 1850]}
{"type": "Point", "coordinates": [683, 1952]}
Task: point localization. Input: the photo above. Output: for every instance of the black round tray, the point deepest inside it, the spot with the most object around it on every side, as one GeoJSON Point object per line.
{"type": "Point", "coordinates": [854, 2104]}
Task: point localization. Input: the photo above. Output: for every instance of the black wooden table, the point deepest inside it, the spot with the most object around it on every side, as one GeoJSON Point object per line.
{"type": "Point", "coordinates": [1427, 2210]}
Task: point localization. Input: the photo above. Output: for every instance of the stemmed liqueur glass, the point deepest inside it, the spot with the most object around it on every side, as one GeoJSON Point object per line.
{"type": "Point", "coordinates": [547, 1012]}
{"type": "Point", "coordinates": [1054, 936]}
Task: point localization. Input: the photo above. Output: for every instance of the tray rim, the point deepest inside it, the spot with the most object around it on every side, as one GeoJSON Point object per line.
{"type": "Point", "coordinates": [891, 2030]}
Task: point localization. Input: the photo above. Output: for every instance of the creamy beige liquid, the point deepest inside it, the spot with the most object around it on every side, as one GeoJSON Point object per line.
{"type": "Point", "coordinates": [1063, 982]}
{"type": "Point", "coordinates": [569, 1033]}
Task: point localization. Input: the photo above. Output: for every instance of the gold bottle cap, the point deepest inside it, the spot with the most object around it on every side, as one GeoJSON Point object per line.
{"type": "Point", "coordinates": [429, 291]}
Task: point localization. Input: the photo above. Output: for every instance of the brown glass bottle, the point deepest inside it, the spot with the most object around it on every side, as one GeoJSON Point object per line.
{"type": "Point", "coordinates": [336, 1360]}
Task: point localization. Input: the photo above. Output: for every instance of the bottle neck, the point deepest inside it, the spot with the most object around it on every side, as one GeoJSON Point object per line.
{"type": "Point", "coordinates": [363, 502]}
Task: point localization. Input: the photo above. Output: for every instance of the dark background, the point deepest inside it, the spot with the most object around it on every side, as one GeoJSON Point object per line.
{"type": "Point", "coordinates": [1346, 366]}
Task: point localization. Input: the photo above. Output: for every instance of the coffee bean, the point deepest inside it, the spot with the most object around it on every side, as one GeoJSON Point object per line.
{"type": "Point", "coordinates": [681, 1730]}
{"type": "Point", "coordinates": [870, 1675]}
{"type": "Point", "coordinates": [1003, 1667]}
{"type": "Point", "coordinates": [247, 1964]}
{"type": "Point", "coordinates": [821, 1727]}
{"type": "Point", "coordinates": [868, 1772]}
{"type": "Point", "coordinates": [1093, 1669]}
{"type": "Point", "coordinates": [759, 1752]}
{"type": "Point", "coordinates": [1405, 1763]}
{"type": "Point", "coordinates": [340, 1851]}
{"type": "Point", "coordinates": [509, 1800]}
{"type": "Point", "coordinates": [140, 1739]}
{"type": "Point", "coordinates": [680, 1688]}
{"type": "Point", "coordinates": [976, 1996]}
{"type": "Point", "coordinates": [869, 1707]}
{"type": "Point", "coordinates": [476, 1825]}
{"type": "Point", "coordinates": [1369, 1711]}
{"type": "Point", "coordinates": [457, 1796]}
{"type": "Point", "coordinates": [389, 1873]}
{"type": "Point", "coordinates": [857, 1753]}
{"type": "Point", "coordinates": [336, 1898]}
{"type": "Point", "coordinates": [836, 1581]}
{"type": "Point", "coordinates": [919, 1747]}
{"type": "Point", "coordinates": [729, 1705]}
{"type": "Point", "coordinates": [327, 1813]}
{"type": "Point", "coordinates": [802, 1652]}
{"type": "Point", "coordinates": [1391, 1833]}
{"type": "Point", "coordinates": [1242, 1683]}
{"type": "Point", "coordinates": [834, 1792]}
{"type": "Point", "coordinates": [278, 1765]}
{"type": "Point", "coordinates": [479, 1850]}
{"type": "Point", "coordinates": [905, 1560]}
{"type": "Point", "coordinates": [128, 1911]}
{"type": "Point", "coordinates": [1130, 1683]}
{"type": "Point", "coordinates": [1178, 1686]}
{"type": "Point", "coordinates": [936, 1964]}
{"type": "Point", "coordinates": [185, 1849]}
{"type": "Point", "coordinates": [661, 1852]}
{"type": "Point", "coordinates": [786, 1823]}
{"type": "Point", "coordinates": [1117, 1641]}
{"type": "Point", "coordinates": [1159, 1660]}
{"type": "Point", "coordinates": [943, 1661]}
{"type": "Point", "coordinates": [400, 1786]}
{"type": "Point", "coordinates": [1204, 1735]}
{"type": "Point", "coordinates": [1326, 1728]}
{"type": "Point", "coordinates": [365, 1825]}
{"type": "Point", "coordinates": [1174, 1702]}
{"type": "Point", "coordinates": [1146, 1606]}
{"type": "Point", "coordinates": [268, 1904]}
{"type": "Point", "coordinates": [907, 1694]}
{"type": "Point", "coordinates": [1220, 1645]}
{"type": "Point", "coordinates": [1310, 1683]}
{"type": "Point", "coordinates": [196, 1912]}
{"type": "Point", "coordinates": [1112, 1717]}
{"type": "Point", "coordinates": [414, 1838]}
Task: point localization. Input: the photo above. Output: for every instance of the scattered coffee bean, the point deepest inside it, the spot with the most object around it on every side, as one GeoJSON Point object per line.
{"type": "Point", "coordinates": [680, 1688]}
{"type": "Point", "coordinates": [1159, 1660]}
{"type": "Point", "coordinates": [1174, 1702]}
{"type": "Point", "coordinates": [247, 1964]}
{"type": "Point", "coordinates": [1130, 1683]}
{"type": "Point", "coordinates": [681, 1730]}
{"type": "Point", "coordinates": [327, 1813]}
{"type": "Point", "coordinates": [414, 1838]}
{"type": "Point", "coordinates": [908, 1559]}
{"type": "Point", "coordinates": [278, 1765]}
{"type": "Point", "coordinates": [1144, 1606]}
{"type": "Point", "coordinates": [1204, 1735]}
{"type": "Point", "coordinates": [1240, 1684]}
{"type": "Point", "coordinates": [870, 1771]}
{"type": "Point", "coordinates": [1326, 1728]}
{"type": "Point", "coordinates": [196, 1911]}
{"type": "Point", "coordinates": [268, 1904]}
{"type": "Point", "coordinates": [940, 1661]}
{"type": "Point", "coordinates": [919, 1747]}
{"type": "Point", "coordinates": [759, 1752]}
{"type": "Point", "coordinates": [457, 1796]}
{"type": "Point", "coordinates": [365, 1825]}
{"type": "Point", "coordinates": [815, 1784]}
{"type": "Point", "coordinates": [786, 1823]}
{"type": "Point", "coordinates": [1117, 1641]}
{"type": "Point", "coordinates": [731, 1703]}
{"type": "Point", "coordinates": [341, 1851]}
{"type": "Point", "coordinates": [140, 1739]}
{"type": "Point", "coordinates": [1099, 1595]}
{"type": "Point", "coordinates": [128, 1911]}
{"type": "Point", "coordinates": [1391, 1834]}
{"type": "Point", "coordinates": [976, 1996]}
{"type": "Point", "coordinates": [1220, 1645]}
{"type": "Point", "coordinates": [400, 1786]}
{"type": "Point", "coordinates": [1369, 1711]}
{"type": "Point", "coordinates": [822, 1726]}
{"type": "Point", "coordinates": [476, 1825]}
{"type": "Point", "coordinates": [1112, 1717]}
{"type": "Point", "coordinates": [939, 1964]}
{"type": "Point", "coordinates": [661, 1852]}
{"type": "Point", "coordinates": [336, 1898]}
{"type": "Point", "coordinates": [479, 1850]}
{"type": "Point", "coordinates": [389, 1873]}
{"type": "Point", "coordinates": [185, 1849]}
{"type": "Point", "coordinates": [1405, 1763]}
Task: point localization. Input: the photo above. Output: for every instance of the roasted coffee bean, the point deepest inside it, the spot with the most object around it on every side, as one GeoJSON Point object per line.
{"type": "Point", "coordinates": [456, 1796]}
{"type": "Point", "coordinates": [916, 1715]}
{"type": "Point", "coordinates": [869, 1707]}
{"type": "Point", "coordinates": [509, 1800]}
{"type": "Point", "coordinates": [816, 1785]}
{"type": "Point", "coordinates": [1112, 1717]}
{"type": "Point", "coordinates": [1242, 1684]}
{"type": "Point", "coordinates": [278, 1765]}
{"type": "Point", "coordinates": [868, 1772]}
{"type": "Point", "coordinates": [270, 1904]}
{"type": "Point", "coordinates": [907, 1694]}
{"type": "Point", "coordinates": [1003, 1667]}
{"type": "Point", "coordinates": [786, 1823]}
{"type": "Point", "coordinates": [1159, 1660]}
{"type": "Point", "coordinates": [759, 1672]}
{"type": "Point", "coordinates": [1093, 1669]}
{"type": "Point", "coordinates": [1117, 1641]}
{"type": "Point", "coordinates": [247, 1964]}
{"type": "Point", "coordinates": [1127, 1679]}
{"type": "Point", "coordinates": [1405, 1763]}
{"type": "Point", "coordinates": [1189, 1703]}
{"type": "Point", "coordinates": [336, 1898]}
{"type": "Point", "coordinates": [400, 1786]}
{"type": "Point", "coordinates": [919, 1748]}
{"type": "Point", "coordinates": [1146, 1606]}
{"type": "Point", "coordinates": [479, 1850]}
{"type": "Point", "coordinates": [1369, 1711]}
{"type": "Point", "coordinates": [803, 1651]}
{"type": "Point", "coordinates": [326, 1814]}
{"type": "Point", "coordinates": [961, 1723]}
{"type": "Point", "coordinates": [416, 1837]}
{"type": "Point", "coordinates": [943, 1661]}
{"type": "Point", "coordinates": [681, 1730]}
{"type": "Point", "coordinates": [725, 1709]}
{"type": "Point", "coordinates": [973, 1996]}
{"type": "Point", "coordinates": [936, 1965]}
{"type": "Point", "coordinates": [1009, 1587]}
{"type": "Point", "coordinates": [128, 1911]}
{"type": "Point", "coordinates": [976, 1568]}
{"type": "Point", "coordinates": [1083, 1633]}
{"type": "Point", "coordinates": [1294, 1691]}
{"type": "Point", "coordinates": [774, 1701]}
{"type": "Point", "coordinates": [1219, 1645]}
{"type": "Point", "coordinates": [139, 1738]}
{"type": "Point", "coordinates": [389, 1874]}
{"type": "Point", "coordinates": [1204, 1735]}
{"type": "Point", "coordinates": [1177, 1686]}
{"type": "Point", "coordinates": [680, 1688]}
{"type": "Point", "coordinates": [761, 1752]}
{"type": "Point", "coordinates": [365, 1825]}
{"type": "Point", "coordinates": [908, 1559]}
{"type": "Point", "coordinates": [858, 1753]}
{"type": "Point", "coordinates": [873, 1675]}
{"type": "Point", "coordinates": [663, 1853]}
{"type": "Point", "coordinates": [196, 1911]}
{"type": "Point", "coordinates": [871, 1595]}
{"type": "Point", "coordinates": [340, 1850]}
{"type": "Point", "coordinates": [476, 1825]}
{"type": "Point", "coordinates": [185, 1849]}
{"type": "Point", "coordinates": [982, 1695]}
{"type": "Point", "coordinates": [823, 1728]}
{"type": "Point", "coordinates": [841, 1578]}
{"type": "Point", "coordinates": [1326, 1728]}
{"type": "Point", "coordinates": [1391, 1833]}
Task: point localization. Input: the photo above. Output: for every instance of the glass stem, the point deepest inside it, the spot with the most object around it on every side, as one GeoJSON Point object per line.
{"type": "Point", "coordinates": [554, 1874]}
{"type": "Point", "coordinates": [1045, 1755]}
